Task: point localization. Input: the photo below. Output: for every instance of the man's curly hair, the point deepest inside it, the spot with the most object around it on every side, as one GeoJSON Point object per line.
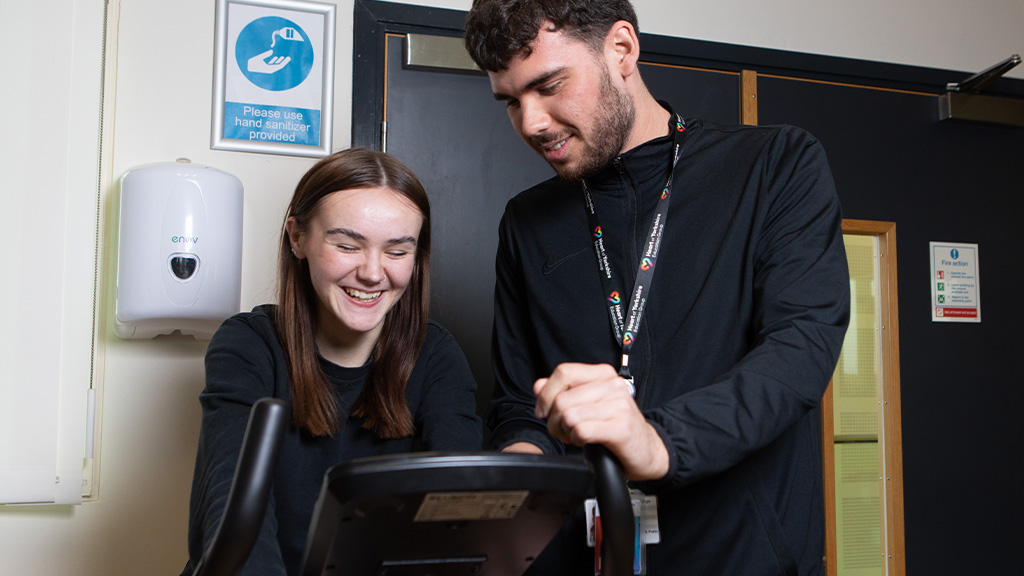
{"type": "Point", "coordinates": [499, 30]}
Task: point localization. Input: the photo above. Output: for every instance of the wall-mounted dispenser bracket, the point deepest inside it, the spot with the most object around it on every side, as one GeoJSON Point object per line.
{"type": "Point", "coordinates": [962, 100]}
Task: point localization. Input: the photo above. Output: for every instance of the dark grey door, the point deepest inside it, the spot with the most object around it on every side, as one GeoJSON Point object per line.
{"type": "Point", "coordinates": [892, 160]}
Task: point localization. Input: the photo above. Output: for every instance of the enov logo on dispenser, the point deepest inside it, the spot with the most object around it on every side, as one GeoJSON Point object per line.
{"type": "Point", "coordinates": [184, 239]}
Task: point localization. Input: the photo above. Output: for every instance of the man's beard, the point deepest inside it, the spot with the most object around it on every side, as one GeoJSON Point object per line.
{"type": "Point", "coordinates": [611, 128]}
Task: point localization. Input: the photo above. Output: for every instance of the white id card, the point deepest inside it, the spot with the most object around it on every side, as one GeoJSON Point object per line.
{"type": "Point", "coordinates": [645, 529]}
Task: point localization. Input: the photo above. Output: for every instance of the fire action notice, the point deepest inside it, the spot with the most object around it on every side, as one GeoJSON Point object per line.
{"type": "Point", "coordinates": [955, 284]}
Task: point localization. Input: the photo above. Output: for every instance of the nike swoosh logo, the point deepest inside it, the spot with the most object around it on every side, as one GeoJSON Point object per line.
{"type": "Point", "coordinates": [550, 266]}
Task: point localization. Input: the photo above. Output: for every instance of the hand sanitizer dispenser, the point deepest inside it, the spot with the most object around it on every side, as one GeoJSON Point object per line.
{"type": "Point", "coordinates": [179, 250]}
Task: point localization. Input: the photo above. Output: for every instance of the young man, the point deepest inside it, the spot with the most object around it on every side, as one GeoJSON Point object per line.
{"type": "Point", "coordinates": [719, 292]}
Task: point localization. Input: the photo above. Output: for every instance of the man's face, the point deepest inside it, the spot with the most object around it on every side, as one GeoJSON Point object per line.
{"type": "Point", "coordinates": [562, 101]}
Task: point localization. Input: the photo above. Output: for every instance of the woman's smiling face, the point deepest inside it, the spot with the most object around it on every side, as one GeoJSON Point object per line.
{"type": "Point", "coordinates": [360, 246]}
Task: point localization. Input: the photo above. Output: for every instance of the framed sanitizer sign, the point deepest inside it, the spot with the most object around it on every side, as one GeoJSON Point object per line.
{"type": "Point", "coordinates": [274, 77]}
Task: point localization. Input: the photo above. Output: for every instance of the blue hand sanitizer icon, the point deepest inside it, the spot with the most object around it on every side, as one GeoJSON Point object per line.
{"type": "Point", "coordinates": [274, 53]}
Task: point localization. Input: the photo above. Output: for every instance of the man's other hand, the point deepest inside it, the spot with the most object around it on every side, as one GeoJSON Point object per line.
{"type": "Point", "coordinates": [523, 448]}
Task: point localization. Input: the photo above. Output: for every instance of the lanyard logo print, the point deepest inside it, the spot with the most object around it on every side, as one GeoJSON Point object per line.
{"type": "Point", "coordinates": [625, 333]}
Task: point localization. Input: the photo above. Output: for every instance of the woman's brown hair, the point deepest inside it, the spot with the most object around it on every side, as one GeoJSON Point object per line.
{"type": "Point", "coordinates": [382, 402]}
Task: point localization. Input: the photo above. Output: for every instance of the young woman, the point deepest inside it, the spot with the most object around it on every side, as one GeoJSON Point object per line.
{"type": "Point", "coordinates": [348, 346]}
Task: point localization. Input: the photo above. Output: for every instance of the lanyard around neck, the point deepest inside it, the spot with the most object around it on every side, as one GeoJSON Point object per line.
{"type": "Point", "coordinates": [625, 328]}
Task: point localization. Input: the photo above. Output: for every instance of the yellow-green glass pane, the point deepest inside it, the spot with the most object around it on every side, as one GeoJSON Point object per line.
{"type": "Point", "coordinates": [858, 510]}
{"type": "Point", "coordinates": [857, 378]}
{"type": "Point", "coordinates": [856, 390]}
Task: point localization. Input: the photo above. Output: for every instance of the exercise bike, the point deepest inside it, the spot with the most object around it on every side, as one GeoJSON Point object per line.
{"type": "Point", "coordinates": [425, 514]}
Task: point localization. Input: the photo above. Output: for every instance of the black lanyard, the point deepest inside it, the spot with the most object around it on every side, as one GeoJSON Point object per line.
{"type": "Point", "coordinates": [626, 329]}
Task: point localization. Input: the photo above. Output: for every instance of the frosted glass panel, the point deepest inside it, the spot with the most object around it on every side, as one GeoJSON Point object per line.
{"type": "Point", "coordinates": [857, 379]}
{"type": "Point", "coordinates": [857, 385]}
{"type": "Point", "coordinates": [858, 511]}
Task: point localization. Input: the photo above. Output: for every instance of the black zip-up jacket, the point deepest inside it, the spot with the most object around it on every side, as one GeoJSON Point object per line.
{"type": "Point", "coordinates": [743, 326]}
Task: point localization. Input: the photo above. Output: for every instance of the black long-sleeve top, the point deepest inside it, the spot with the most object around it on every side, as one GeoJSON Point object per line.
{"type": "Point", "coordinates": [743, 326]}
{"type": "Point", "coordinates": [244, 363]}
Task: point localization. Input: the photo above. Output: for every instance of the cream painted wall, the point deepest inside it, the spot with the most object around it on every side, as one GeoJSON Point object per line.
{"type": "Point", "coordinates": [947, 34]}
{"type": "Point", "coordinates": [162, 112]}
